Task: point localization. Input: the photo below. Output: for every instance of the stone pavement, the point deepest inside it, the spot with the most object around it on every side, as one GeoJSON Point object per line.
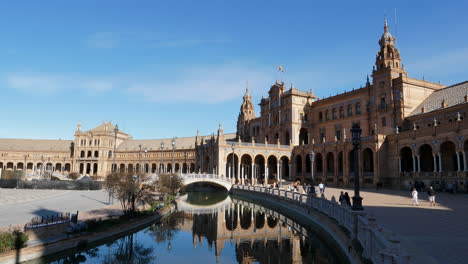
{"type": "Point", "coordinates": [430, 234]}
{"type": "Point", "coordinates": [18, 206]}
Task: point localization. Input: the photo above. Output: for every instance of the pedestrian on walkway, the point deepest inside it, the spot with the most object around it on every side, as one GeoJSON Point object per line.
{"type": "Point", "coordinates": [432, 194]}
{"type": "Point", "coordinates": [322, 188]}
{"type": "Point", "coordinates": [341, 199]}
{"type": "Point", "coordinates": [347, 198]}
{"type": "Point", "coordinates": [414, 194]}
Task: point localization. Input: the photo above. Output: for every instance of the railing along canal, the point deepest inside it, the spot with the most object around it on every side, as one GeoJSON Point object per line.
{"type": "Point", "coordinates": [379, 244]}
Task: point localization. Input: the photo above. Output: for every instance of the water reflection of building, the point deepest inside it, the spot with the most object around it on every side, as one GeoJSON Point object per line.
{"type": "Point", "coordinates": [260, 235]}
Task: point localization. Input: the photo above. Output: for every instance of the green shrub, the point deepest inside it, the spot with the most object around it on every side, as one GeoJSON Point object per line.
{"type": "Point", "coordinates": [54, 178]}
{"type": "Point", "coordinates": [13, 240]}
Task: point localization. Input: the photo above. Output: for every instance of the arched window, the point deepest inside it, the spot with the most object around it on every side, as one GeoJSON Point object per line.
{"type": "Point", "coordinates": [82, 154]}
{"type": "Point", "coordinates": [320, 116]}
{"type": "Point", "coordinates": [327, 115]}
{"type": "Point", "coordinates": [96, 154]}
{"type": "Point", "coordinates": [334, 114]}
{"type": "Point", "coordinates": [350, 110]}
{"type": "Point", "coordinates": [341, 112]}
{"type": "Point", "coordinates": [358, 108]}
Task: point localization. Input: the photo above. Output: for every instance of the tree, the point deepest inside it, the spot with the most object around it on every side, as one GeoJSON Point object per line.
{"type": "Point", "coordinates": [169, 183]}
{"type": "Point", "coordinates": [128, 189]}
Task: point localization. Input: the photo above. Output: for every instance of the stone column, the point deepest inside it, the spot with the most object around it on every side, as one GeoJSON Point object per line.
{"type": "Point", "coordinates": [253, 174]}
{"type": "Point", "coordinates": [265, 177]}
{"type": "Point", "coordinates": [440, 162]}
{"type": "Point", "coordinates": [414, 164]}
{"type": "Point", "coordinates": [419, 163]}
{"type": "Point", "coordinates": [238, 170]}
{"type": "Point", "coordinates": [464, 161]}
{"type": "Point", "coordinates": [277, 171]}
{"type": "Point", "coordinates": [289, 170]}
{"type": "Point", "coordinates": [435, 162]}
{"type": "Point", "coordinates": [399, 164]}
{"type": "Point", "coordinates": [229, 172]}
{"type": "Point", "coordinates": [458, 161]}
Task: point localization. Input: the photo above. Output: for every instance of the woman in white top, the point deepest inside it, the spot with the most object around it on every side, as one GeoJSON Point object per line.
{"type": "Point", "coordinates": [414, 194]}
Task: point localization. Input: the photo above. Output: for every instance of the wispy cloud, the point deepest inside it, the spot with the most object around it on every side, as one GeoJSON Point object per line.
{"type": "Point", "coordinates": [214, 84]}
{"type": "Point", "coordinates": [109, 40]}
{"type": "Point", "coordinates": [103, 40]}
{"type": "Point", "coordinates": [49, 83]}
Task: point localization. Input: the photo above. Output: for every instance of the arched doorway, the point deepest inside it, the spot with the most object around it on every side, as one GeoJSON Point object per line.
{"type": "Point", "coordinates": [284, 168]}
{"type": "Point", "coordinates": [319, 164]}
{"type": "Point", "coordinates": [406, 157]}
{"type": "Point", "coordinates": [426, 158]}
{"type": "Point", "coordinates": [330, 165]}
{"type": "Point", "coordinates": [231, 165]}
{"type": "Point", "coordinates": [246, 168]}
{"type": "Point", "coordinates": [308, 164]}
{"type": "Point", "coordinates": [272, 169]}
{"type": "Point", "coordinates": [303, 136]}
{"type": "Point", "coordinates": [298, 165]}
{"type": "Point", "coordinates": [81, 168]}
{"type": "Point", "coordinates": [88, 168]}
{"type": "Point", "coordinates": [287, 138]}
{"type": "Point", "coordinates": [368, 162]}
{"type": "Point", "coordinates": [449, 156]}
{"type": "Point", "coordinates": [259, 169]}
{"type": "Point", "coordinates": [340, 164]}
{"type": "Point", "coordinates": [95, 168]}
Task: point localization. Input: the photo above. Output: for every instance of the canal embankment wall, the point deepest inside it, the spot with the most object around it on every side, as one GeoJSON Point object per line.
{"type": "Point", "coordinates": [357, 235]}
{"type": "Point", "coordinates": [87, 240]}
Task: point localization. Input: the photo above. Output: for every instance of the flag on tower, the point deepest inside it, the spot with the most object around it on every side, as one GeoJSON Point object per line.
{"type": "Point", "coordinates": [280, 68]}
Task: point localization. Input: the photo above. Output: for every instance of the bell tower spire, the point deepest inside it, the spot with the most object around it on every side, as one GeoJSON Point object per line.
{"type": "Point", "coordinates": [388, 56]}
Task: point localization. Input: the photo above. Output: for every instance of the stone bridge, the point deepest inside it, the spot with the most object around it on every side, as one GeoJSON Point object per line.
{"type": "Point", "coordinates": [207, 178]}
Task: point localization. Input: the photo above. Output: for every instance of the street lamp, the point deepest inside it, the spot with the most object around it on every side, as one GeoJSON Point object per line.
{"type": "Point", "coordinates": [116, 130]}
{"type": "Point", "coordinates": [162, 148]}
{"type": "Point", "coordinates": [173, 148]}
{"type": "Point", "coordinates": [356, 139]}
{"type": "Point", "coordinates": [312, 160]}
{"type": "Point", "coordinates": [233, 146]}
{"type": "Point", "coordinates": [139, 158]}
{"type": "Point", "coordinates": [186, 168]}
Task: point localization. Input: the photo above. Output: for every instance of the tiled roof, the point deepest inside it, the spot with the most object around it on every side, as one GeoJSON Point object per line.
{"type": "Point", "coordinates": [11, 144]}
{"type": "Point", "coordinates": [155, 144]}
{"type": "Point", "coordinates": [452, 95]}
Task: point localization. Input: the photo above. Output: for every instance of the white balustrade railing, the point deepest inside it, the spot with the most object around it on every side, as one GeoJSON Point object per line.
{"type": "Point", "coordinates": [379, 245]}
{"type": "Point", "coordinates": [190, 176]}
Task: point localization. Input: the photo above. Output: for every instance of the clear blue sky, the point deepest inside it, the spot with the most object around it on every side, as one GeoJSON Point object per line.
{"type": "Point", "coordinates": [167, 68]}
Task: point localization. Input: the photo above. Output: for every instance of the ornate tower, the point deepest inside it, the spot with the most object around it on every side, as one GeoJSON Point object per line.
{"type": "Point", "coordinates": [246, 114]}
{"type": "Point", "coordinates": [385, 97]}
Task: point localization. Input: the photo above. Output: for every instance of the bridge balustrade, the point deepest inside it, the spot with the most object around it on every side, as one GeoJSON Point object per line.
{"type": "Point", "coordinates": [379, 245]}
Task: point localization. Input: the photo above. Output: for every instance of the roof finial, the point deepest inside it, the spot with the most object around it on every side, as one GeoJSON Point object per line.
{"type": "Point", "coordinates": [247, 88]}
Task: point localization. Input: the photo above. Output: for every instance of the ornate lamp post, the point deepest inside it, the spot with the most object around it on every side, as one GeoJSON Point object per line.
{"type": "Point", "coordinates": [116, 130]}
{"type": "Point", "coordinates": [356, 139]}
{"type": "Point", "coordinates": [312, 160]}
{"type": "Point", "coordinates": [186, 155]}
{"type": "Point", "coordinates": [139, 158]}
{"type": "Point", "coordinates": [173, 148]}
{"type": "Point", "coordinates": [233, 146]}
{"type": "Point", "coordinates": [162, 148]}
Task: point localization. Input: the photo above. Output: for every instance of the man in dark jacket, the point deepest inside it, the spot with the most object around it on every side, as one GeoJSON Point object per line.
{"type": "Point", "coordinates": [432, 194]}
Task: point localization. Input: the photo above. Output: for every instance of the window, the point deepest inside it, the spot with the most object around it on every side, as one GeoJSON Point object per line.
{"type": "Point", "coordinates": [341, 112]}
{"type": "Point", "coordinates": [350, 110]}
{"type": "Point", "coordinates": [383, 104]}
{"type": "Point", "coordinates": [384, 121]}
{"type": "Point", "coordinates": [382, 84]}
{"type": "Point", "coordinates": [322, 134]}
{"type": "Point", "coordinates": [327, 115]}
{"type": "Point", "coordinates": [334, 114]}
{"type": "Point", "coordinates": [358, 108]}
{"type": "Point", "coordinates": [338, 134]}
{"type": "Point", "coordinates": [320, 116]}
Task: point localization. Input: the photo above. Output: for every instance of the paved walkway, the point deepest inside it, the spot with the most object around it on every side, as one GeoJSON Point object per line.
{"type": "Point", "coordinates": [431, 234]}
{"type": "Point", "coordinates": [18, 206]}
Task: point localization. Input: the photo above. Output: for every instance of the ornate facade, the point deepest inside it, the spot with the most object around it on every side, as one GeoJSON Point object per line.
{"type": "Point", "coordinates": [412, 130]}
{"type": "Point", "coordinates": [92, 153]}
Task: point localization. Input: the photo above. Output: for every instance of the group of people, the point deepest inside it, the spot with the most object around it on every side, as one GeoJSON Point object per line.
{"type": "Point", "coordinates": [430, 193]}
{"type": "Point", "coordinates": [344, 199]}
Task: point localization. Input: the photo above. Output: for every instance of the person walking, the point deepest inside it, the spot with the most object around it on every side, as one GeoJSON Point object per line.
{"type": "Point", "coordinates": [322, 188]}
{"type": "Point", "coordinates": [341, 199]}
{"type": "Point", "coordinates": [414, 194]}
{"type": "Point", "coordinates": [347, 198]}
{"type": "Point", "coordinates": [432, 194]}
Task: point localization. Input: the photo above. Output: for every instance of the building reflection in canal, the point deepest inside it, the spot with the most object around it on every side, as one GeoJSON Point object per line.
{"type": "Point", "coordinates": [211, 227]}
{"type": "Point", "coordinates": [260, 235]}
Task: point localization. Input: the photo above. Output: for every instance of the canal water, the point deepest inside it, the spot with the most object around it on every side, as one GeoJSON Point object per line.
{"type": "Point", "coordinates": [212, 227]}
